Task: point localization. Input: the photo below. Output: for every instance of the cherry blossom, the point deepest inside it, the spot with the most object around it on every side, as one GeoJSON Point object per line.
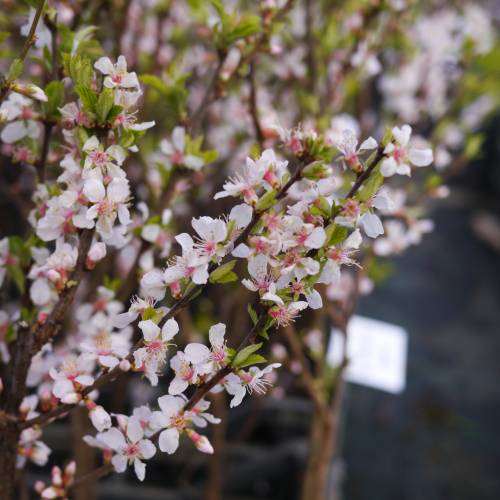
{"type": "Point", "coordinates": [399, 155]}
{"type": "Point", "coordinates": [175, 151]}
{"type": "Point", "coordinates": [116, 74]}
{"type": "Point", "coordinates": [254, 379]}
{"type": "Point", "coordinates": [129, 446]}
{"type": "Point", "coordinates": [152, 357]}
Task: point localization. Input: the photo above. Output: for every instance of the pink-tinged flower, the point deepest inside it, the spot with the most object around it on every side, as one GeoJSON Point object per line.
{"type": "Point", "coordinates": [212, 233]}
{"type": "Point", "coordinates": [283, 314]}
{"type": "Point", "coordinates": [189, 366]}
{"type": "Point", "coordinates": [116, 74]}
{"type": "Point", "coordinates": [108, 161]}
{"type": "Point", "coordinates": [348, 147]}
{"type": "Point", "coordinates": [265, 172]}
{"type": "Point", "coordinates": [73, 116]}
{"type": "Point", "coordinates": [109, 203]}
{"type": "Point", "coordinates": [261, 279]}
{"type": "Point", "coordinates": [174, 420]}
{"type": "Point", "coordinates": [218, 353]}
{"type": "Point", "coordinates": [73, 376]}
{"type": "Point", "coordinates": [253, 380]}
{"type": "Point", "coordinates": [129, 446]}
{"type": "Point", "coordinates": [175, 151]}
{"type": "Point", "coordinates": [400, 155]}
{"type": "Point", "coordinates": [191, 265]}
{"type": "Point", "coordinates": [338, 256]}
{"type": "Point", "coordinates": [152, 357]}
{"type": "Point", "coordinates": [31, 448]}
{"type": "Point", "coordinates": [61, 482]}
{"type": "Point", "coordinates": [100, 343]}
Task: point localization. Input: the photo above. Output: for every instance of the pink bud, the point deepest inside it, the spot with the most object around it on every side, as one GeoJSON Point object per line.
{"type": "Point", "coordinates": [96, 253]}
{"type": "Point", "coordinates": [125, 365]}
{"type": "Point", "coordinates": [201, 442]}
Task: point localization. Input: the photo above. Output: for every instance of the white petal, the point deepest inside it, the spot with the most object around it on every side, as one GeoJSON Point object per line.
{"type": "Point", "coordinates": [170, 329]}
{"type": "Point", "coordinates": [369, 143]}
{"type": "Point", "coordinates": [169, 441]}
{"type": "Point", "coordinates": [134, 429]}
{"type": "Point", "coordinates": [216, 335]}
{"type": "Point", "coordinates": [388, 167]}
{"type": "Point", "coordinates": [104, 65]}
{"type": "Point", "coordinates": [94, 190]}
{"type": "Point", "coordinates": [372, 225]}
{"type": "Point", "coordinates": [178, 138]}
{"type": "Point", "coordinates": [420, 157]}
{"type": "Point", "coordinates": [139, 469]}
{"type": "Point", "coordinates": [197, 353]}
{"type": "Point", "coordinates": [242, 215]}
{"type": "Point", "coordinates": [149, 329]}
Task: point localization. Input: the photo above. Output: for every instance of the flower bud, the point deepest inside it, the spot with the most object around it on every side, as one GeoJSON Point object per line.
{"type": "Point", "coordinates": [201, 442]}
{"type": "Point", "coordinates": [96, 253]}
{"type": "Point", "coordinates": [30, 90]}
{"type": "Point", "coordinates": [100, 418]}
{"type": "Point", "coordinates": [125, 365]}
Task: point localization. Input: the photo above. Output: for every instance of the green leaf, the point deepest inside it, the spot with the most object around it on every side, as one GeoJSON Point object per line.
{"type": "Point", "coordinates": [104, 104]}
{"type": "Point", "coordinates": [254, 359]}
{"type": "Point", "coordinates": [154, 82]}
{"type": "Point", "coordinates": [55, 98]}
{"type": "Point", "coordinates": [21, 250]}
{"type": "Point", "coordinates": [335, 234]}
{"type": "Point", "coordinates": [266, 200]}
{"type": "Point", "coordinates": [17, 275]}
{"type": "Point", "coordinates": [88, 98]}
{"type": "Point", "coordinates": [15, 70]}
{"type": "Point", "coordinates": [371, 186]}
{"type": "Point", "coordinates": [252, 313]}
{"type": "Point", "coordinates": [218, 275]}
{"type": "Point", "coordinates": [245, 353]}
{"type": "Point", "coordinates": [473, 146]}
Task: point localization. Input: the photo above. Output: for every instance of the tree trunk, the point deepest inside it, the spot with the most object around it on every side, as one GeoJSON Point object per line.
{"type": "Point", "coordinates": [323, 441]}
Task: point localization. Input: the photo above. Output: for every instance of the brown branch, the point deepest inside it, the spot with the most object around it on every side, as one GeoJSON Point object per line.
{"type": "Point", "coordinates": [46, 331]}
{"type": "Point", "coordinates": [310, 383]}
{"type": "Point", "coordinates": [30, 40]}
{"type": "Point", "coordinates": [254, 112]}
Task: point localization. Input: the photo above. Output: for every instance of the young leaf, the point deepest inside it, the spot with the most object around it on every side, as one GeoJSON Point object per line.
{"type": "Point", "coordinates": [218, 274]}
{"type": "Point", "coordinates": [245, 353]}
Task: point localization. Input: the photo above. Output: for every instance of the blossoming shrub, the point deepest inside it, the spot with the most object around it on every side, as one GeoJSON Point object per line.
{"type": "Point", "coordinates": [125, 241]}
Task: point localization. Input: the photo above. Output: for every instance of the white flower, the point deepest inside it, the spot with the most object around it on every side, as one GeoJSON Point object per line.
{"type": "Point", "coordinates": [152, 357]}
{"type": "Point", "coordinates": [175, 151]}
{"type": "Point", "coordinates": [129, 447]}
{"type": "Point", "coordinates": [116, 75]}
{"type": "Point", "coordinates": [192, 264]}
{"type": "Point", "coordinates": [400, 155]}
{"type": "Point", "coordinates": [74, 375]}
{"type": "Point", "coordinates": [238, 384]}
{"type": "Point", "coordinates": [348, 147]}
{"type": "Point", "coordinates": [212, 233]}
{"type": "Point", "coordinates": [31, 448]}
{"type": "Point", "coordinates": [174, 420]}
{"type": "Point", "coordinates": [188, 365]}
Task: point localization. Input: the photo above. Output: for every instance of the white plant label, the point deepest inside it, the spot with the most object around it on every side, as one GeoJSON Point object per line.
{"type": "Point", "coordinates": [376, 352]}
